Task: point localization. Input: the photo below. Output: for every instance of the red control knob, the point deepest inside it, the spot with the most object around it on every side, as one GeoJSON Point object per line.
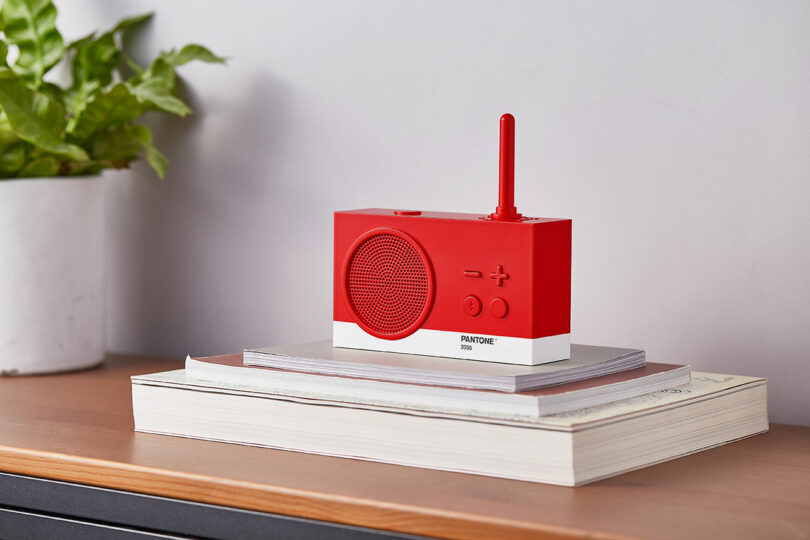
{"type": "Point", "coordinates": [498, 307]}
{"type": "Point", "coordinates": [471, 305]}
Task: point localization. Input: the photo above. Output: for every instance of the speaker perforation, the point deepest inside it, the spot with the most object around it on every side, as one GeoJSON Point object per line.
{"type": "Point", "coordinates": [389, 283]}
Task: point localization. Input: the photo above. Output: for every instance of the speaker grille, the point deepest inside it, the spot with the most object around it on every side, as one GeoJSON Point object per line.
{"type": "Point", "coordinates": [388, 284]}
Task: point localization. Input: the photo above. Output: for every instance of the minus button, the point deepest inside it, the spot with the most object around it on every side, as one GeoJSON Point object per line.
{"type": "Point", "coordinates": [472, 273]}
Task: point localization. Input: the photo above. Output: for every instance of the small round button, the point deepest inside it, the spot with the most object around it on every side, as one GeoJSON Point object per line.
{"type": "Point", "coordinates": [408, 212]}
{"type": "Point", "coordinates": [498, 307]}
{"type": "Point", "coordinates": [471, 305]}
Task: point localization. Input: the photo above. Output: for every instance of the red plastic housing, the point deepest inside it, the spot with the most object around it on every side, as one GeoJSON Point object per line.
{"type": "Point", "coordinates": [399, 271]}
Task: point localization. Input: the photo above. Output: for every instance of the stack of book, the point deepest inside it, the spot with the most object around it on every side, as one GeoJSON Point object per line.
{"type": "Point", "coordinates": [600, 413]}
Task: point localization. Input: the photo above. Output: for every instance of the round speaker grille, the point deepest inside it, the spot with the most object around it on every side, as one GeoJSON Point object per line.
{"type": "Point", "coordinates": [389, 283]}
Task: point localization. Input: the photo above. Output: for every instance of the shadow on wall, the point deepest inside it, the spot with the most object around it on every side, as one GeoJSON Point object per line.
{"type": "Point", "coordinates": [175, 246]}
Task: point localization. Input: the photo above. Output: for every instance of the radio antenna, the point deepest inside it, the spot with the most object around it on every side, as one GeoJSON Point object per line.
{"type": "Point", "coordinates": [506, 210]}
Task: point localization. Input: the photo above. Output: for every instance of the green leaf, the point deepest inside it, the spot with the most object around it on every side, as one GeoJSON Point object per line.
{"type": "Point", "coordinates": [7, 135]}
{"type": "Point", "coordinates": [3, 54]}
{"type": "Point", "coordinates": [118, 145]}
{"type": "Point", "coordinates": [79, 42]}
{"type": "Point", "coordinates": [161, 69]}
{"type": "Point", "coordinates": [155, 86]}
{"type": "Point", "coordinates": [35, 118]}
{"type": "Point", "coordinates": [12, 158]}
{"type": "Point", "coordinates": [31, 26]}
{"type": "Point", "coordinates": [190, 52]}
{"type": "Point", "coordinates": [116, 107]}
{"type": "Point", "coordinates": [154, 157]}
{"type": "Point", "coordinates": [129, 22]}
{"type": "Point", "coordinates": [76, 100]}
{"type": "Point", "coordinates": [157, 93]}
{"type": "Point", "coordinates": [52, 91]}
{"type": "Point", "coordinates": [74, 168]}
{"type": "Point", "coordinates": [96, 58]}
{"type": "Point", "coordinates": [131, 64]}
{"type": "Point", "coordinates": [44, 166]}
{"type": "Point", "coordinates": [13, 153]}
{"type": "Point", "coordinates": [85, 167]}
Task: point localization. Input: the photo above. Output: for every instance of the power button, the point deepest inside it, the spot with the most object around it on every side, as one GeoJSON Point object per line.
{"type": "Point", "coordinates": [471, 305]}
{"type": "Point", "coordinates": [498, 307]}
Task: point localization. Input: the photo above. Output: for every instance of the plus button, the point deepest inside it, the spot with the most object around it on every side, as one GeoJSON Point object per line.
{"type": "Point", "coordinates": [499, 276]}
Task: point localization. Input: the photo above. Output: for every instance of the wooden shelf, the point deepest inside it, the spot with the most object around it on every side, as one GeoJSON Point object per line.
{"type": "Point", "coordinates": [78, 428]}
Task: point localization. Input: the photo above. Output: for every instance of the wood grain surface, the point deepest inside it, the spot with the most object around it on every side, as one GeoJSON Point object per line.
{"type": "Point", "coordinates": [78, 428]}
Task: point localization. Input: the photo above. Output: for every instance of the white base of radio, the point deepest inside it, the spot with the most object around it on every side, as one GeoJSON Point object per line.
{"type": "Point", "coordinates": [502, 349]}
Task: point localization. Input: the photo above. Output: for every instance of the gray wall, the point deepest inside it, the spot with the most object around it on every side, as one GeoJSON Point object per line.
{"type": "Point", "coordinates": [675, 134]}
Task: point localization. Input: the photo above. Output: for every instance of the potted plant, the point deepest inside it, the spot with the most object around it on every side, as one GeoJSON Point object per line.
{"type": "Point", "coordinates": [55, 140]}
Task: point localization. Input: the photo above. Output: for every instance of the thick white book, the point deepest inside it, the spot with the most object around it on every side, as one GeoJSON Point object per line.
{"type": "Point", "coordinates": [321, 357]}
{"type": "Point", "coordinates": [570, 449]}
{"type": "Point", "coordinates": [230, 372]}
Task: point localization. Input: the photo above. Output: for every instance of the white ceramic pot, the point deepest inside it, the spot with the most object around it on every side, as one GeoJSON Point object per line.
{"type": "Point", "coordinates": [51, 274]}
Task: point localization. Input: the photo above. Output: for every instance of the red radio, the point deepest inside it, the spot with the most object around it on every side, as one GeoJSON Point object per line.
{"type": "Point", "coordinates": [491, 287]}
